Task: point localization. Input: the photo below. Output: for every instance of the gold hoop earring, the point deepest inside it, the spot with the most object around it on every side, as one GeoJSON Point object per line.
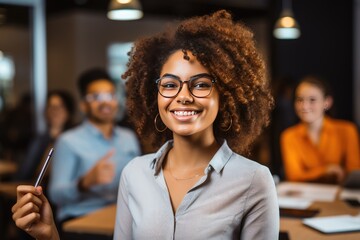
{"type": "Point", "coordinates": [155, 123]}
{"type": "Point", "coordinates": [230, 125]}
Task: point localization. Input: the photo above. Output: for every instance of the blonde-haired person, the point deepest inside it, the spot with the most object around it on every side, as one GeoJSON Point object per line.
{"type": "Point", "coordinates": [199, 93]}
{"type": "Point", "coordinates": [319, 148]}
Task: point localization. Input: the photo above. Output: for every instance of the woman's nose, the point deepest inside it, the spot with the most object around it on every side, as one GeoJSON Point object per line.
{"type": "Point", "coordinates": [184, 95]}
{"type": "Point", "coordinates": [305, 104]}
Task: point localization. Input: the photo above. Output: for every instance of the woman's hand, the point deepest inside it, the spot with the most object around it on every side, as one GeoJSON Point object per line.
{"type": "Point", "coordinates": [337, 171]}
{"type": "Point", "coordinates": [32, 213]}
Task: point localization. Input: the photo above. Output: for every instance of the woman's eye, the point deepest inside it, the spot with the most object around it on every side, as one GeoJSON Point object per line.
{"type": "Point", "coordinates": [169, 85]}
{"type": "Point", "coordinates": [201, 84]}
{"type": "Point", "coordinates": [299, 100]}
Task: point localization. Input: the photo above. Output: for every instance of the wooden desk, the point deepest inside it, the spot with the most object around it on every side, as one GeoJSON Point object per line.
{"type": "Point", "coordinates": [298, 231]}
{"type": "Point", "coordinates": [8, 189]}
{"type": "Point", "coordinates": [100, 222]}
{"type": "Point", "coordinates": [7, 168]}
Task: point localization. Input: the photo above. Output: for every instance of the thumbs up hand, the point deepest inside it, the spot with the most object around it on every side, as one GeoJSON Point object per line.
{"type": "Point", "coordinates": [102, 173]}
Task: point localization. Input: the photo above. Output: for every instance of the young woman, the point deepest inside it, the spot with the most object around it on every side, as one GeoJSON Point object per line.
{"type": "Point", "coordinates": [59, 116]}
{"type": "Point", "coordinates": [200, 93]}
{"type": "Point", "coordinates": [319, 148]}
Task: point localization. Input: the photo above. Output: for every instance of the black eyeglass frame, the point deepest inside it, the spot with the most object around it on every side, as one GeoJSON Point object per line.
{"type": "Point", "coordinates": [195, 77]}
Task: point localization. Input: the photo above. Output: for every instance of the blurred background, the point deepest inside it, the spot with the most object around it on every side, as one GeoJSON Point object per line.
{"type": "Point", "coordinates": [46, 44]}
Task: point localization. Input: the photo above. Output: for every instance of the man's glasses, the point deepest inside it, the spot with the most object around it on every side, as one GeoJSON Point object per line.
{"type": "Point", "coordinates": [100, 97]}
{"type": "Point", "coordinates": [199, 85]}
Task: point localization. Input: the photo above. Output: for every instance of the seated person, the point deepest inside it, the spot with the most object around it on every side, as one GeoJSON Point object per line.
{"type": "Point", "coordinates": [59, 116]}
{"type": "Point", "coordinates": [59, 112]}
{"type": "Point", "coordinates": [17, 129]}
{"type": "Point", "coordinates": [319, 148]}
{"type": "Point", "coordinates": [89, 158]}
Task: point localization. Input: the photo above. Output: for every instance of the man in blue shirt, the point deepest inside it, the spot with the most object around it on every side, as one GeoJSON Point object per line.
{"type": "Point", "coordinates": [88, 159]}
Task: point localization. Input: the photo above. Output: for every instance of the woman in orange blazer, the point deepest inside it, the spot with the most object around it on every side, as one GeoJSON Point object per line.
{"type": "Point", "coordinates": [319, 148]}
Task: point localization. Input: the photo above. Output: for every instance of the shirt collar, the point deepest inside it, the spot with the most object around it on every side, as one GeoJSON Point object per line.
{"type": "Point", "coordinates": [326, 126]}
{"type": "Point", "coordinates": [221, 157]}
{"type": "Point", "coordinates": [96, 132]}
{"type": "Point", "coordinates": [218, 161]}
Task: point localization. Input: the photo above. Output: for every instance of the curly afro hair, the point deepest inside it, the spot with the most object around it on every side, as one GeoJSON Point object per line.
{"type": "Point", "coordinates": [227, 49]}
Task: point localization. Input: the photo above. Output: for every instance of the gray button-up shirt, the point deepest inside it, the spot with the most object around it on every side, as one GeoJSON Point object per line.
{"type": "Point", "coordinates": [235, 199]}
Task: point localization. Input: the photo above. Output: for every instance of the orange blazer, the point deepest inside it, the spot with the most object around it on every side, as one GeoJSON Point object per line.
{"type": "Point", "coordinates": [305, 161]}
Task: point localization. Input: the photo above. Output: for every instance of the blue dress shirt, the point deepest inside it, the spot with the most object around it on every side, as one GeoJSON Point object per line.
{"type": "Point", "coordinates": [75, 153]}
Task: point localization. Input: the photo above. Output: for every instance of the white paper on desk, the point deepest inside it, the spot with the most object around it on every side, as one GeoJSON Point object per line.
{"type": "Point", "coordinates": [334, 224]}
{"type": "Point", "coordinates": [294, 203]}
{"type": "Point", "coordinates": [309, 191]}
{"type": "Point", "coordinates": [350, 194]}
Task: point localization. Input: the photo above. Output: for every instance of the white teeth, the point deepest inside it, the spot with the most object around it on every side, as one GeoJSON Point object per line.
{"type": "Point", "coordinates": [185, 113]}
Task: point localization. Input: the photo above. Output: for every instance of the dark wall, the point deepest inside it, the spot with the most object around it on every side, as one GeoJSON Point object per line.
{"type": "Point", "coordinates": [324, 48]}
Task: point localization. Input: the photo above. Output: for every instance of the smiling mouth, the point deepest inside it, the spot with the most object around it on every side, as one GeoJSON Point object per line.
{"type": "Point", "coordinates": [185, 113]}
{"type": "Point", "coordinates": [105, 109]}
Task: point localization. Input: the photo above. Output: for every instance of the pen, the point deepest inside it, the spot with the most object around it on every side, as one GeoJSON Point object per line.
{"type": "Point", "coordinates": [44, 167]}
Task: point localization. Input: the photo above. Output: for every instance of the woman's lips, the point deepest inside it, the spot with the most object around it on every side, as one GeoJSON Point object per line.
{"type": "Point", "coordinates": [185, 115]}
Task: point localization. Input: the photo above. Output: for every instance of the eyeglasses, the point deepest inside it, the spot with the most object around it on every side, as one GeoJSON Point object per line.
{"type": "Point", "coordinates": [199, 85]}
{"type": "Point", "coordinates": [100, 97]}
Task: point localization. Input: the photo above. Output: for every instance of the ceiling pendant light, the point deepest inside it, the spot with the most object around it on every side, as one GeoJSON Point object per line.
{"type": "Point", "coordinates": [124, 10]}
{"type": "Point", "coordinates": [286, 26]}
